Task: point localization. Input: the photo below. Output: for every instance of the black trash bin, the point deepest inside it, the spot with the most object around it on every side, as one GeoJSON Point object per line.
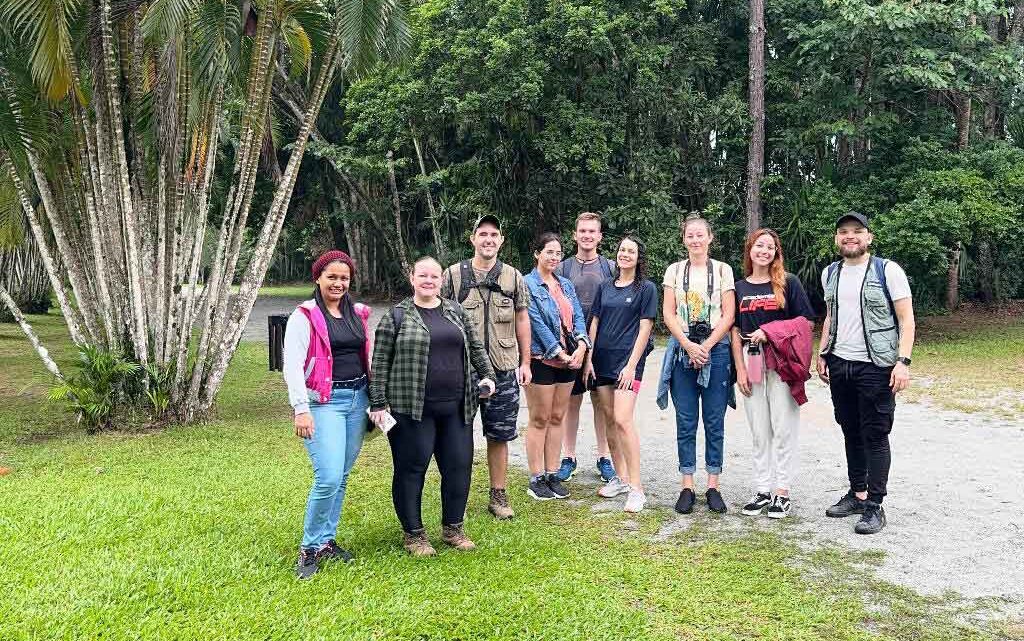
{"type": "Point", "coordinates": [275, 340]}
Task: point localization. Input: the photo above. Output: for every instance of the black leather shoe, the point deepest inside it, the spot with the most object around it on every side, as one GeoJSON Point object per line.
{"type": "Point", "coordinates": [847, 506]}
{"type": "Point", "coordinates": [684, 504]}
{"type": "Point", "coordinates": [873, 519]}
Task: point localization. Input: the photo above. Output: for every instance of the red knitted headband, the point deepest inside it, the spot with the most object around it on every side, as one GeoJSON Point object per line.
{"type": "Point", "coordinates": [329, 257]}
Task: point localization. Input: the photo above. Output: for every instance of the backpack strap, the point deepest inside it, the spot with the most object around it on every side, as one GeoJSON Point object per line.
{"type": "Point", "coordinates": [878, 264]}
{"type": "Point", "coordinates": [608, 267]}
{"type": "Point", "coordinates": [831, 270]}
{"type": "Point", "coordinates": [397, 318]}
{"type": "Point", "coordinates": [467, 280]}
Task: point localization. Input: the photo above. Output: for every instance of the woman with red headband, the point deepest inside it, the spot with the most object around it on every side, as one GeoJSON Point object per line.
{"type": "Point", "coordinates": [326, 367]}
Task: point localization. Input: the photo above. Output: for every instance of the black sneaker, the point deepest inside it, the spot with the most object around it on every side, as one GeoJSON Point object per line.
{"type": "Point", "coordinates": [308, 564]}
{"type": "Point", "coordinates": [846, 506]}
{"type": "Point", "coordinates": [780, 507]}
{"type": "Point", "coordinates": [715, 502]}
{"type": "Point", "coordinates": [684, 504]}
{"type": "Point", "coordinates": [760, 501]}
{"type": "Point", "coordinates": [330, 551]}
{"type": "Point", "coordinates": [539, 489]}
{"type": "Point", "coordinates": [873, 519]}
{"type": "Point", "coordinates": [557, 490]}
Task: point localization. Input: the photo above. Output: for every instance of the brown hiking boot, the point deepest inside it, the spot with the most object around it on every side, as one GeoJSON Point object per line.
{"type": "Point", "coordinates": [417, 544]}
{"type": "Point", "coordinates": [498, 505]}
{"type": "Point", "coordinates": [454, 536]}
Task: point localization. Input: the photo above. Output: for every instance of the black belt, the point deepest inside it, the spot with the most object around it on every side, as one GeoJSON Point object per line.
{"type": "Point", "coordinates": [352, 383]}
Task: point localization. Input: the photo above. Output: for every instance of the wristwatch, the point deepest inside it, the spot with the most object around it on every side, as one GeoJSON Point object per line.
{"type": "Point", "coordinates": [904, 360]}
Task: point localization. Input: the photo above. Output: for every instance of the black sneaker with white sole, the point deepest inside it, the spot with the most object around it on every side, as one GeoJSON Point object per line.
{"type": "Point", "coordinates": [757, 504]}
{"type": "Point", "coordinates": [873, 519]}
{"type": "Point", "coordinates": [539, 490]}
{"type": "Point", "coordinates": [556, 487]}
{"type": "Point", "coordinates": [780, 507]}
{"type": "Point", "coordinates": [331, 551]}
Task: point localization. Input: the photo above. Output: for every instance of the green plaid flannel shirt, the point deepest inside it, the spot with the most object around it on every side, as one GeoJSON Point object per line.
{"type": "Point", "coordinates": [400, 362]}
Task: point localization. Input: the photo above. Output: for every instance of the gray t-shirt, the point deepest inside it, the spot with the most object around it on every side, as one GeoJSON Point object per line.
{"type": "Point", "coordinates": [849, 343]}
{"type": "Point", "coordinates": [587, 281]}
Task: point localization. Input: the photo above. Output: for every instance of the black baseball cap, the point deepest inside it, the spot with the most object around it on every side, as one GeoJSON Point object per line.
{"type": "Point", "coordinates": [853, 215]}
{"type": "Point", "coordinates": [487, 218]}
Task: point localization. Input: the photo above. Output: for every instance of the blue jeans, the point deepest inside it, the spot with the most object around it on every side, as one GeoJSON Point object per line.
{"type": "Point", "coordinates": [687, 397]}
{"type": "Point", "coordinates": [338, 429]}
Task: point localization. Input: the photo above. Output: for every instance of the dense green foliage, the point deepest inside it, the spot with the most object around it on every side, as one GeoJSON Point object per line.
{"type": "Point", "coordinates": [536, 111]}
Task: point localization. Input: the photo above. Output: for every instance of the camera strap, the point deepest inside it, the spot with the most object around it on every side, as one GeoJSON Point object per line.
{"type": "Point", "coordinates": [686, 280]}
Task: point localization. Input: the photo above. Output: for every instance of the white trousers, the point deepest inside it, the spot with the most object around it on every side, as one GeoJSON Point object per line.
{"type": "Point", "coordinates": [774, 419]}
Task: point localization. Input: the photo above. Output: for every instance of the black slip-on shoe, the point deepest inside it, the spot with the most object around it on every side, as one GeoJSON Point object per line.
{"type": "Point", "coordinates": [715, 502]}
{"type": "Point", "coordinates": [684, 504]}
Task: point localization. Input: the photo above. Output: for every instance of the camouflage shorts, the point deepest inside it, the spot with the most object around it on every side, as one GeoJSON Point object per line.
{"type": "Point", "coordinates": [500, 412]}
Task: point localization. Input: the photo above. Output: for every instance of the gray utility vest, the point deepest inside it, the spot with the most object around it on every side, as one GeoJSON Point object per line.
{"type": "Point", "coordinates": [881, 328]}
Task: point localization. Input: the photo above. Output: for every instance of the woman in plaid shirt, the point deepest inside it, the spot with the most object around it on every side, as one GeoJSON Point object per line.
{"type": "Point", "coordinates": [422, 353]}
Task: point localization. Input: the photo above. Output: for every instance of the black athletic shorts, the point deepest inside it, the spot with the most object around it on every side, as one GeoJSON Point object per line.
{"type": "Point", "coordinates": [544, 374]}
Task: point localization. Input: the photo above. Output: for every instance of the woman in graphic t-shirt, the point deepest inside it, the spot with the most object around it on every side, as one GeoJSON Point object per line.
{"type": "Point", "coordinates": [699, 309]}
{"type": "Point", "coordinates": [766, 295]}
{"type": "Point", "coordinates": [558, 345]}
{"type": "Point", "coordinates": [622, 318]}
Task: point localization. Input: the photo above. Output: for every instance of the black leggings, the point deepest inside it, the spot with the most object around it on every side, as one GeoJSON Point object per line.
{"type": "Point", "coordinates": [443, 433]}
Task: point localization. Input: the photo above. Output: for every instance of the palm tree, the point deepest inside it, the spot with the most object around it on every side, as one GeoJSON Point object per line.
{"type": "Point", "coordinates": [118, 112]}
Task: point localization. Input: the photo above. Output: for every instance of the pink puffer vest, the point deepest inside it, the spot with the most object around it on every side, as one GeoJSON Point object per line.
{"type": "Point", "coordinates": [319, 363]}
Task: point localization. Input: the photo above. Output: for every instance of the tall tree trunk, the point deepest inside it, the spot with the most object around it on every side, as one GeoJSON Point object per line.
{"type": "Point", "coordinates": [44, 355]}
{"type": "Point", "coordinates": [755, 150]}
{"type": "Point", "coordinates": [396, 211]}
{"type": "Point", "coordinates": [953, 278]}
{"type": "Point", "coordinates": [986, 272]}
{"type": "Point", "coordinates": [442, 252]}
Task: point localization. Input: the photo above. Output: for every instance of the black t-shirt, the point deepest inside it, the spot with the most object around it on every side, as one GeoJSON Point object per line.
{"type": "Point", "coordinates": [756, 305]}
{"type": "Point", "coordinates": [446, 376]}
{"type": "Point", "coordinates": [620, 310]}
{"type": "Point", "coordinates": [346, 348]}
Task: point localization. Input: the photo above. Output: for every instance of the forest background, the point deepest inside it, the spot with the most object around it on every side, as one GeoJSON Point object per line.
{"type": "Point", "coordinates": [162, 160]}
{"type": "Point", "coordinates": [536, 111]}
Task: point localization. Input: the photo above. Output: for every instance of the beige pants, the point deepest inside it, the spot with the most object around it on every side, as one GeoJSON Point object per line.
{"type": "Point", "coordinates": [774, 419]}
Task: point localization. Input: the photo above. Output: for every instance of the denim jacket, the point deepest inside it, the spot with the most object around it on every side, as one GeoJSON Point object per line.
{"type": "Point", "coordinates": [546, 322]}
{"type": "Point", "coordinates": [674, 354]}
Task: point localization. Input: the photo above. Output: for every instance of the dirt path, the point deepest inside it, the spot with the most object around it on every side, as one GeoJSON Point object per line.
{"type": "Point", "coordinates": [954, 508]}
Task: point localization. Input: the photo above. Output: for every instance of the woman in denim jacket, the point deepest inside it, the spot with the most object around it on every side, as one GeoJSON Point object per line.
{"type": "Point", "coordinates": [558, 346]}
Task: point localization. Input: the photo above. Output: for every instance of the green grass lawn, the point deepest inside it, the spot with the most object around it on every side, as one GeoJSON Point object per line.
{"type": "Point", "coordinates": [192, 533]}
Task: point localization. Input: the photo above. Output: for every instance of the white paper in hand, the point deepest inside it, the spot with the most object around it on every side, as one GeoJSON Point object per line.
{"type": "Point", "coordinates": [387, 422]}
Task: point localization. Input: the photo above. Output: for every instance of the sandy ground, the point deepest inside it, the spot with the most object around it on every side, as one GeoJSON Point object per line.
{"type": "Point", "coordinates": [956, 489]}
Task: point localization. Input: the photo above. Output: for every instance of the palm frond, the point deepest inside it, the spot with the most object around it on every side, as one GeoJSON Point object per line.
{"type": "Point", "coordinates": [373, 30]}
{"type": "Point", "coordinates": [12, 219]}
{"type": "Point", "coordinates": [300, 48]}
{"type": "Point", "coordinates": [46, 24]}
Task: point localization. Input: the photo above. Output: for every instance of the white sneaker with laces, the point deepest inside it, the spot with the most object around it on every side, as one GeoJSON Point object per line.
{"type": "Point", "coordinates": [636, 500]}
{"type": "Point", "coordinates": [613, 488]}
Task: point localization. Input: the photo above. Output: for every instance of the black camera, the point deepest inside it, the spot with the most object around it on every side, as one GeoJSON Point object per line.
{"type": "Point", "coordinates": [699, 331]}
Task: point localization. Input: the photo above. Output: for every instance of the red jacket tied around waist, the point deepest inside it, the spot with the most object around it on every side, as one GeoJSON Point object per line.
{"type": "Point", "coordinates": [788, 353]}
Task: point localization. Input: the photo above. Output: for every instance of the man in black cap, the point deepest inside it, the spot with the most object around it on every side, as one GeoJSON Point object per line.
{"type": "Point", "coordinates": [495, 296]}
{"type": "Point", "coordinates": [866, 342]}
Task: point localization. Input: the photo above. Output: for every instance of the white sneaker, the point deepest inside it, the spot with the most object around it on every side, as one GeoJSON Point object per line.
{"type": "Point", "coordinates": [636, 500]}
{"type": "Point", "coordinates": [613, 488]}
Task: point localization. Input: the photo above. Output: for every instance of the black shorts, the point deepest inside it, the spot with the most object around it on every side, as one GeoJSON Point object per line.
{"type": "Point", "coordinates": [544, 374]}
{"type": "Point", "coordinates": [579, 387]}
